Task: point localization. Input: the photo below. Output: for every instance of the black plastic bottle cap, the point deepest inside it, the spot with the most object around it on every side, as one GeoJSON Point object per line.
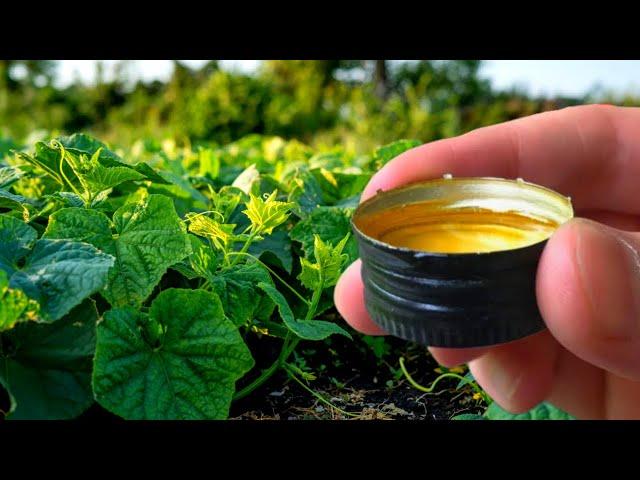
{"type": "Point", "coordinates": [452, 262]}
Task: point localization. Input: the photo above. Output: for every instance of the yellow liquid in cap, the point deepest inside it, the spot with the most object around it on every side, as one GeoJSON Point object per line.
{"type": "Point", "coordinates": [431, 228]}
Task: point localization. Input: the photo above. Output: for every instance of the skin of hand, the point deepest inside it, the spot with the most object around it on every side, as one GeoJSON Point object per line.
{"type": "Point", "coordinates": [587, 361]}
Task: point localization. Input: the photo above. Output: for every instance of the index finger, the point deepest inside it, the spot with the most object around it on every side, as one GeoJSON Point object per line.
{"type": "Point", "coordinates": [590, 153]}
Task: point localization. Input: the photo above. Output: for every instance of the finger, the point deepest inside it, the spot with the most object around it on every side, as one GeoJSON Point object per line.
{"type": "Point", "coordinates": [588, 288]}
{"type": "Point", "coordinates": [589, 393]}
{"type": "Point", "coordinates": [579, 388]}
{"type": "Point", "coordinates": [349, 299]}
{"type": "Point", "coordinates": [589, 153]}
{"type": "Point", "coordinates": [518, 375]}
{"type": "Point", "coordinates": [451, 357]}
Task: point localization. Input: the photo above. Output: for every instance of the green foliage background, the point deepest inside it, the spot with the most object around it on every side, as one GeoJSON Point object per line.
{"type": "Point", "coordinates": [357, 104]}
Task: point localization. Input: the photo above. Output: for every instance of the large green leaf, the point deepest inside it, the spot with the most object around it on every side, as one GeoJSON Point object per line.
{"type": "Point", "coordinates": [186, 371]}
{"type": "Point", "coordinates": [16, 239]}
{"type": "Point", "coordinates": [8, 175]}
{"type": "Point", "coordinates": [149, 237]}
{"type": "Point", "coordinates": [83, 225]}
{"type": "Point", "coordinates": [543, 411]}
{"type": "Point", "coordinates": [238, 290]}
{"type": "Point", "coordinates": [44, 158]}
{"type": "Point", "coordinates": [101, 178]}
{"type": "Point", "coordinates": [59, 274]}
{"type": "Point", "coordinates": [306, 193]}
{"type": "Point", "coordinates": [90, 145]}
{"type": "Point", "coordinates": [46, 368]}
{"type": "Point", "coordinates": [305, 329]}
{"type": "Point", "coordinates": [11, 200]}
{"type": "Point", "coordinates": [278, 246]}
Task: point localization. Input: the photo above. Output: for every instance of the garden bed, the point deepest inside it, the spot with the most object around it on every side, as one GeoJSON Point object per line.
{"type": "Point", "coordinates": [352, 378]}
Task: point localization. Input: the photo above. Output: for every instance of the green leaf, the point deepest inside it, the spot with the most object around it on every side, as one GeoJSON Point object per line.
{"type": "Point", "coordinates": [83, 225]}
{"type": "Point", "coordinates": [544, 411]}
{"type": "Point", "coordinates": [16, 238]}
{"type": "Point", "coordinates": [306, 193]}
{"type": "Point", "coordinates": [266, 214]}
{"type": "Point", "coordinates": [9, 175]}
{"type": "Point", "coordinates": [331, 224]}
{"type": "Point", "coordinates": [7, 145]}
{"type": "Point", "coordinates": [46, 368]}
{"type": "Point", "coordinates": [336, 185]}
{"type": "Point", "coordinates": [327, 268]}
{"type": "Point", "coordinates": [201, 263]}
{"type": "Point", "coordinates": [383, 154]}
{"type": "Point", "coordinates": [278, 244]}
{"type": "Point", "coordinates": [226, 200]}
{"type": "Point", "coordinates": [149, 237]}
{"type": "Point", "coordinates": [305, 329]}
{"type": "Point", "coordinates": [468, 379]}
{"type": "Point", "coordinates": [68, 199]}
{"type": "Point", "coordinates": [220, 234]}
{"type": "Point", "coordinates": [44, 158]}
{"type": "Point", "coordinates": [59, 274]}
{"type": "Point", "coordinates": [82, 143]}
{"type": "Point", "coordinates": [468, 416]}
{"type": "Point", "coordinates": [350, 184]}
{"type": "Point", "coordinates": [181, 187]}
{"type": "Point", "coordinates": [209, 162]}
{"type": "Point", "coordinates": [15, 306]}
{"type": "Point", "coordinates": [190, 373]}
{"type": "Point", "coordinates": [90, 145]}
{"type": "Point", "coordinates": [102, 178]}
{"type": "Point", "coordinates": [13, 201]}
{"type": "Point", "coordinates": [237, 288]}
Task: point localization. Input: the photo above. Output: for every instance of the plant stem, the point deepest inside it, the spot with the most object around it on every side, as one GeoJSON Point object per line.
{"type": "Point", "coordinates": [245, 247]}
{"type": "Point", "coordinates": [317, 395]}
{"type": "Point", "coordinates": [315, 299]}
{"type": "Point", "coordinates": [417, 386]}
{"type": "Point", "coordinates": [64, 176]}
{"type": "Point", "coordinates": [288, 346]}
{"type": "Point", "coordinates": [266, 374]}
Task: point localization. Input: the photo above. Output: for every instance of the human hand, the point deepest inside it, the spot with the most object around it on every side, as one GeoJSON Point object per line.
{"type": "Point", "coordinates": [587, 362]}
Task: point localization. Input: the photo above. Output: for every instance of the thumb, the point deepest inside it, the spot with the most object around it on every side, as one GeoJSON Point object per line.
{"type": "Point", "coordinates": [588, 289]}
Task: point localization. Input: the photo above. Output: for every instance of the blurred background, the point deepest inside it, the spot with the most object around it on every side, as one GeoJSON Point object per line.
{"type": "Point", "coordinates": [357, 104]}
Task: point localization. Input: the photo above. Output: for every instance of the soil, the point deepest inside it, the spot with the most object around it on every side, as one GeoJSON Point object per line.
{"type": "Point", "coordinates": [352, 378]}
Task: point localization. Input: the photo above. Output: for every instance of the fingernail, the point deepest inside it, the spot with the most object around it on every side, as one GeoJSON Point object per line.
{"type": "Point", "coordinates": [609, 271]}
{"type": "Point", "coordinates": [633, 253]}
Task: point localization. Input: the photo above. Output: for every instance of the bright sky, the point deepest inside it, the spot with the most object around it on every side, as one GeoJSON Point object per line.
{"type": "Point", "coordinates": [539, 77]}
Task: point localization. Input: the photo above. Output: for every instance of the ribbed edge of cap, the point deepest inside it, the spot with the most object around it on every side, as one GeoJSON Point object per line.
{"type": "Point", "coordinates": [425, 333]}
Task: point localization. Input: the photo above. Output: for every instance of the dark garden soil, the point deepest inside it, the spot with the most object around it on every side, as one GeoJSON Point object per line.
{"type": "Point", "coordinates": [350, 376]}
